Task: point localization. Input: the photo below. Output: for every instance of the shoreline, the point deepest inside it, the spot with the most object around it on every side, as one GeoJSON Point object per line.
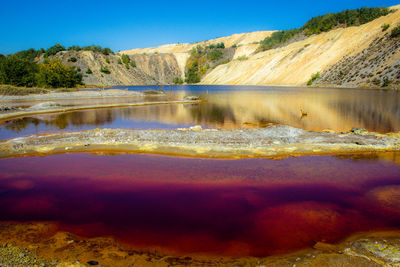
{"type": "Point", "coordinates": [38, 243]}
{"type": "Point", "coordinates": [271, 142]}
{"type": "Point", "coordinates": [61, 109]}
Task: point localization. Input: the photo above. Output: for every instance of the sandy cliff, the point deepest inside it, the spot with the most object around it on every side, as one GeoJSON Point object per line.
{"type": "Point", "coordinates": [363, 56]}
{"type": "Point", "coordinates": [355, 56]}
{"type": "Point", "coordinates": [295, 63]}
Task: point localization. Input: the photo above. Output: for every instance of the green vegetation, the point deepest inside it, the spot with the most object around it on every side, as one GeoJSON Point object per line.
{"type": "Point", "coordinates": [215, 54]}
{"type": "Point", "coordinates": [192, 74]}
{"type": "Point", "coordinates": [395, 31]}
{"type": "Point", "coordinates": [89, 71]}
{"type": "Point", "coordinates": [385, 27]}
{"type": "Point", "coordinates": [20, 69]}
{"type": "Point", "coordinates": [105, 70]}
{"type": "Point", "coordinates": [313, 78]}
{"type": "Point", "coordinates": [202, 59]}
{"type": "Point", "coordinates": [242, 58]}
{"type": "Point", "coordinates": [72, 59]}
{"type": "Point", "coordinates": [30, 54]}
{"type": "Point", "coordinates": [54, 50]}
{"type": "Point", "coordinates": [17, 71]}
{"type": "Point", "coordinates": [316, 25]}
{"type": "Point", "coordinates": [53, 73]}
{"type": "Point", "coordinates": [94, 48]}
{"type": "Point", "coordinates": [127, 61]}
{"type": "Point", "coordinates": [107, 60]}
{"type": "Point", "coordinates": [178, 80]}
{"type": "Point", "coordinates": [386, 82]}
{"type": "Point", "coordinates": [218, 45]}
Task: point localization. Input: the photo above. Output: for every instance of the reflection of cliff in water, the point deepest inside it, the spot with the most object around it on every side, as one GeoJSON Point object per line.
{"type": "Point", "coordinates": [338, 110]}
{"type": "Point", "coordinates": [61, 121]}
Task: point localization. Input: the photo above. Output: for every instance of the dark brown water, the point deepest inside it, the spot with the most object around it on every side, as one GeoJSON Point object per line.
{"type": "Point", "coordinates": [221, 207]}
{"type": "Point", "coordinates": [230, 107]}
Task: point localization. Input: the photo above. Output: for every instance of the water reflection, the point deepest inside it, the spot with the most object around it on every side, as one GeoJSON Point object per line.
{"type": "Point", "coordinates": [310, 109]}
{"type": "Point", "coordinates": [245, 207]}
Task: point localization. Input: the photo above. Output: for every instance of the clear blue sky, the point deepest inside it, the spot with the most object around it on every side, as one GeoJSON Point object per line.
{"type": "Point", "coordinates": [124, 25]}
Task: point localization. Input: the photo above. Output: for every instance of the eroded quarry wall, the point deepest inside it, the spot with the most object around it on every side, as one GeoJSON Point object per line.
{"type": "Point", "coordinates": [350, 57]}
{"type": "Point", "coordinates": [295, 63]}
{"type": "Point", "coordinates": [162, 67]}
{"type": "Point", "coordinates": [119, 73]}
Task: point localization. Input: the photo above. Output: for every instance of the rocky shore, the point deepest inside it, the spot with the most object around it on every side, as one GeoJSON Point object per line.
{"type": "Point", "coordinates": [41, 244]}
{"type": "Point", "coordinates": [270, 142]}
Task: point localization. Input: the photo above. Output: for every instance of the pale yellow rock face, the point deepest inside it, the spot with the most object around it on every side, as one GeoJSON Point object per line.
{"type": "Point", "coordinates": [294, 64]}
{"type": "Point", "coordinates": [290, 65]}
{"type": "Point", "coordinates": [245, 41]}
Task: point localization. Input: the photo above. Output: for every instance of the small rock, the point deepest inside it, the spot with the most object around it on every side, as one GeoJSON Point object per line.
{"type": "Point", "coordinates": [196, 128]}
{"type": "Point", "coordinates": [92, 263]}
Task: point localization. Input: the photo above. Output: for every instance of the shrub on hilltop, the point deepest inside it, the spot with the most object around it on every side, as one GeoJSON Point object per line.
{"type": "Point", "coordinates": [324, 23]}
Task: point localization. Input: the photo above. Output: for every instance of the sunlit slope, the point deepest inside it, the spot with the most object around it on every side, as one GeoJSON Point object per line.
{"type": "Point", "coordinates": [295, 63]}
{"type": "Point", "coordinates": [246, 43]}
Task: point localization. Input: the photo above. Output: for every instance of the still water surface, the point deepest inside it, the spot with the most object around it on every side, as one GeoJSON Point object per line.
{"type": "Point", "coordinates": [255, 207]}
{"type": "Point", "coordinates": [228, 107]}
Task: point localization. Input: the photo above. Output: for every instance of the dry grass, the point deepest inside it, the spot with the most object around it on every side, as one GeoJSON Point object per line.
{"type": "Point", "coordinates": [6, 89]}
{"type": "Point", "coordinates": [14, 90]}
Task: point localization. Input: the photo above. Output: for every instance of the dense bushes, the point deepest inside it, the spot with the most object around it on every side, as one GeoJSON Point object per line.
{"type": "Point", "coordinates": [54, 50]}
{"type": "Point", "coordinates": [19, 71]}
{"type": "Point", "coordinates": [313, 78]}
{"type": "Point", "coordinates": [395, 31]}
{"type": "Point", "coordinates": [127, 61]}
{"type": "Point", "coordinates": [53, 73]}
{"type": "Point", "coordinates": [215, 54]}
{"type": "Point", "coordinates": [278, 38]}
{"type": "Point", "coordinates": [192, 74]}
{"type": "Point", "coordinates": [202, 59]}
{"type": "Point", "coordinates": [105, 70]}
{"type": "Point", "coordinates": [385, 27]}
{"type": "Point", "coordinates": [325, 23]}
{"type": "Point", "coordinates": [178, 80]}
{"type": "Point", "coordinates": [94, 48]}
{"type": "Point", "coordinates": [218, 45]}
{"type": "Point", "coordinates": [30, 54]}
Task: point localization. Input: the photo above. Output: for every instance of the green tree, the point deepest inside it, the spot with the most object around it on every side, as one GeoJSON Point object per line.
{"type": "Point", "coordinates": [314, 77]}
{"type": "Point", "coordinates": [178, 80]}
{"type": "Point", "coordinates": [325, 23]}
{"type": "Point", "coordinates": [215, 54]}
{"type": "Point", "coordinates": [105, 70]}
{"type": "Point", "coordinates": [125, 59]}
{"type": "Point", "coordinates": [54, 50]}
{"type": "Point", "coordinates": [385, 27]}
{"type": "Point", "coordinates": [395, 31]}
{"type": "Point", "coordinates": [17, 71]}
{"type": "Point", "coordinates": [192, 75]}
{"type": "Point", "coordinates": [53, 73]}
{"type": "Point", "coordinates": [29, 54]}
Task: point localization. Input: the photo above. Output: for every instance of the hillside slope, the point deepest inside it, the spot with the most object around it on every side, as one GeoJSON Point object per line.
{"type": "Point", "coordinates": [149, 69]}
{"type": "Point", "coordinates": [295, 63]}
{"type": "Point", "coordinates": [246, 44]}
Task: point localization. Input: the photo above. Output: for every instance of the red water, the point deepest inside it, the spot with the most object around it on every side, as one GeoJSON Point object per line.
{"type": "Point", "coordinates": [255, 207]}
